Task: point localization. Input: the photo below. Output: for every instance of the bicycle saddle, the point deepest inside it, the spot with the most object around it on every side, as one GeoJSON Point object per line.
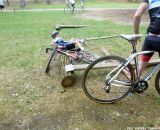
{"type": "Point", "coordinates": [131, 37]}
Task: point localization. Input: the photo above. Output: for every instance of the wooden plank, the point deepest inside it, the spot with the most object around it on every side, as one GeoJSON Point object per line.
{"type": "Point", "coordinates": [103, 65]}
{"type": "Point", "coordinates": [97, 66]}
{"type": "Point", "coordinates": [105, 51]}
{"type": "Point", "coordinates": [59, 27]}
{"type": "Point", "coordinates": [154, 61]}
{"type": "Point", "coordinates": [72, 26]}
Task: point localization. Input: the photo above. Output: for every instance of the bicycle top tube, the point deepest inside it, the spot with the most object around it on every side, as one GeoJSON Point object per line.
{"type": "Point", "coordinates": [133, 55]}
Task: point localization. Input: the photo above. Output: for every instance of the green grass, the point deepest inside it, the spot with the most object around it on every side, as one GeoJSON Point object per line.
{"type": "Point", "coordinates": [88, 4]}
{"type": "Point", "coordinates": [27, 94]}
{"type": "Point", "coordinates": [25, 35]}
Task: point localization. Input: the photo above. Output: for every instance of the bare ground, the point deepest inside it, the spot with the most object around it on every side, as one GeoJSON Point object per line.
{"type": "Point", "coordinates": [121, 16]}
{"type": "Point", "coordinates": [45, 105]}
{"type": "Point", "coordinates": [36, 101]}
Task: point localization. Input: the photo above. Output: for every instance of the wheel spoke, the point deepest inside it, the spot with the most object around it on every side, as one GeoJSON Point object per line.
{"type": "Point", "coordinates": [94, 79]}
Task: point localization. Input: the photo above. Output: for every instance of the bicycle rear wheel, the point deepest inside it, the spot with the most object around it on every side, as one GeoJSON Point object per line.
{"type": "Point", "coordinates": [98, 74]}
{"type": "Point", "coordinates": [157, 82]}
{"type": "Point", "coordinates": [51, 59]}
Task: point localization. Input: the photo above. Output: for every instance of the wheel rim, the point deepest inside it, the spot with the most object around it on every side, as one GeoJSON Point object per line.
{"type": "Point", "coordinates": [94, 83]}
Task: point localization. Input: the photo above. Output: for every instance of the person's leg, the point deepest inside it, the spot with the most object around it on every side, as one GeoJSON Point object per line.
{"type": "Point", "coordinates": [70, 46]}
{"type": "Point", "coordinates": [73, 6]}
{"type": "Point", "coordinates": [143, 63]}
{"type": "Point", "coordinates": [147, 46]}
{"type": "Point", "coordinates": [82, 4]}
{"type": "Point", "coordinates": [1, 7]}
{"type": "Point", "coordinates": [77, 43]}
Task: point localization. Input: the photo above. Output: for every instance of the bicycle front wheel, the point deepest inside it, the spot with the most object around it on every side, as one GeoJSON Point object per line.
{"type": "Point", "coordinates": [157, 82]}
{"type": "Point", "coordinates": [51, 59]}
{"type": "Point", "coordinates": [107, 79]}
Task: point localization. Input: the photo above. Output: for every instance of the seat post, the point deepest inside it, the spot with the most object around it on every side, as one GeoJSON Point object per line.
{"type": "Point", "coordinates": [134, 50]}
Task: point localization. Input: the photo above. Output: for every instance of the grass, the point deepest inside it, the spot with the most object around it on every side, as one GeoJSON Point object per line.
{"type": "Point", "coordinates": [88, 4]}
{"type": "Point", "coordinates": [27, 94]}
{"type": "Point", "coordinates": [25, 35]}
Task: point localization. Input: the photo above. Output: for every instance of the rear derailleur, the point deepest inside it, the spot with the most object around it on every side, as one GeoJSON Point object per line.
{"type": "Point", "coordinates": [107, 86]}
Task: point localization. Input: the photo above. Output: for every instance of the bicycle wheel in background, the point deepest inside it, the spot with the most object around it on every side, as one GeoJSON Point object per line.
{"type": "Point", "coordinates": [95, 79]}
{"type": "Point", "coordinates": [157, 82]}
{"type": "Point", "coordinates": [51, 59]}
{"type": "Point", "coordinates": [67, 9]}
{"type": "Point", "coordinates": [77, 9]}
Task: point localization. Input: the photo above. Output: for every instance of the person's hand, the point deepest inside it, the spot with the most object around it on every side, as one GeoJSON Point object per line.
{"type": "Point", "coordinates": [136, 40]}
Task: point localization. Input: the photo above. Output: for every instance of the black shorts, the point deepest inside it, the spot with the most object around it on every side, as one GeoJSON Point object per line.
{"type": "Point", "coordinates": [151, 43]}
{"type": "Point", "coordinates": [1, 7]}
{"type": "Point", "coordinates": [70, 46]}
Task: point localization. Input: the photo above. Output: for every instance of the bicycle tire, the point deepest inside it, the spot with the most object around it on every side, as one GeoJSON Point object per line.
{"type": "Point", "coordinates": [95, 82]}
{"type": "Point", "coordinates": [67, 9]}
{"type": "Point", "coordinates": [50, 60]}
{"type": "Point", "coordinates": [157, 82]}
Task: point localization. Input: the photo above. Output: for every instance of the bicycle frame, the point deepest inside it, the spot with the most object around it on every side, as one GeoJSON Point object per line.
{"type": "Point", "coordinates": [72, 54]}
{"type": "Point", "coordinates": [133, 57]}
{"type": "Point", "coordinates": [70, 7]}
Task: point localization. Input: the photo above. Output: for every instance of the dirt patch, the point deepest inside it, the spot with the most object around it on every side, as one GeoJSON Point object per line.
{"type": "Point", "coordinates": [122, 16]}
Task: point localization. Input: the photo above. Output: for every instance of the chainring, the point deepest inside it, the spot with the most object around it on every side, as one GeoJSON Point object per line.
{"type": "Point", "coordinates": [140, 86]}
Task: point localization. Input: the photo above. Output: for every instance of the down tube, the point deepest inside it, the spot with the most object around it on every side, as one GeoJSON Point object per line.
{"type": "Point", "coordinates": [147, 77]}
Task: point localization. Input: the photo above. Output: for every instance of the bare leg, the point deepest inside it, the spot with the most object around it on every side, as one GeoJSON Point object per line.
{"type": "Point", "coordinates": [142, 66]}
{"type": "Point", "coordinates": [77, 43]}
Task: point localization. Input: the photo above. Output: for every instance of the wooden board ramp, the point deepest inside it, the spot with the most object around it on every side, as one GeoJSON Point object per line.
{"type": "Point", "coordinates": [71, 67]}
{"type": "Point", "coordinates": [154, 61]}
{"type": "Point", "coordinates": [105, 51]}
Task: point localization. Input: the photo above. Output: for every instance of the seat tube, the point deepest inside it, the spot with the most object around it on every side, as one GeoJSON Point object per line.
{"type": "Point", "coordinates": [135, 60]}
{"type": "Point", "coordinates": [136, 67]}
